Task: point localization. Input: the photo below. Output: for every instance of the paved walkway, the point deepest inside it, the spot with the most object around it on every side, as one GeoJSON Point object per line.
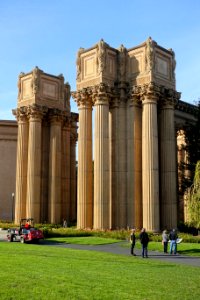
{"type": "Point", "coordinates": [117, 248]}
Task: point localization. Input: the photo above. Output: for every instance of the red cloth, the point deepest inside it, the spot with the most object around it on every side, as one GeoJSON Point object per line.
{"type": "Point", "coordinates": [27, 226]}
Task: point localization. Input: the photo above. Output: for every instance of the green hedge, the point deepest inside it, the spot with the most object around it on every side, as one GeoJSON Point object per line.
{"type": "Point", "coordinates": [56, 230]}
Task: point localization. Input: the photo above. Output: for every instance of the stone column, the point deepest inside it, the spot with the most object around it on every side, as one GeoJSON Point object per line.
{"type": "Point", "coordinates": [73, 180]}
{"type": "Point", "coordinates": [168, 171]}
{"type": "Point", "coordinates": [85, 182]}
{"type": "Point", "coordinates": [44, 172]}
{"type": "Point", "coordinates": [134, 162]}
{"type": "Point", "coordinates": [113, 162]}
{"type": "Point", "coordinates": [101, 162]}
{"type": "Point", "coordinates": [122, 171]}
{"type": "Point", "coordinates": [22, 162]}
{"type": "Point", "coordinates": [34, 163]}
{"type": "Point", "coordinates": [150, 179]}
{"type": "Point", "coordinates": [54, 203]}
{"type": "Point", "coordinates": [65, 184]}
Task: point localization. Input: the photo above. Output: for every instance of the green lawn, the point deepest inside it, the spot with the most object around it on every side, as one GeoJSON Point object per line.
{"type": "Point", "coordinates": [191, 249]}
{"type": "Point", "coordinates": [39, 272]}
{"type": "Point", "coordinates": [89, 240]}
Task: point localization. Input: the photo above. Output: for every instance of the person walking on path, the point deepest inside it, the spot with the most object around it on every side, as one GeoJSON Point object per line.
{"type": "Point", "coordinates": [132, 241]}
{"type": "Point", "coordinates": [144, 239]}
{"type": "Point", "coordinates": [173, 245]}
{"type": "Point", "coordinates": [165, 239]}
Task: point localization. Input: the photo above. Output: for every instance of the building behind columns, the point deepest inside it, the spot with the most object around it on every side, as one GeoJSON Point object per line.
{"type": "Point", "coordinates": [136, 108]}
{"type": "Point", "coordinates": [45, 164]}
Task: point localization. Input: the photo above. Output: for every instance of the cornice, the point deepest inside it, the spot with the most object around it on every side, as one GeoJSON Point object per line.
{"type": "Point", "coordinates": [187, 108]}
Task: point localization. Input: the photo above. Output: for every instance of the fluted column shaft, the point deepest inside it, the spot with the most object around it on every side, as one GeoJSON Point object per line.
{"type": "Point", "coordinates": [134, 163]}
{"type": "Point", "coordinates": [54, 202]}
{"type": "Point", "coordinates": [122, 171]}
{"type": "Point", "coordinates": [101, 164]}
{"type": "Point", "coordinates": [65, 184]}
{"type": "Point", "coordinates": [168, 170]}
{"type": "Point", "coordinates": [34, 166]}
{"type": "Point", "coordinates": [113, 163]}
{"type": "Point", "coordinates": [73, 180]}
{"type": "Point", "coordinates": [150, 181]}
{"type": "Point", "coordinates": [84, 201]}
{"type": "Point", "coordinates": [21, 174]}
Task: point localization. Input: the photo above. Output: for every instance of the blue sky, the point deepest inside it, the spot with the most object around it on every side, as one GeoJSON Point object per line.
{"type": "Point", "coordinates": [48, 34]}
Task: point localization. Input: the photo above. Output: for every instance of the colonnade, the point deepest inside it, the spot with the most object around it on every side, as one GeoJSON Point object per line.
{"type": "Point", "coordinates": [46, 168]}
{"type": "Point", "coordinates": [135, 180]}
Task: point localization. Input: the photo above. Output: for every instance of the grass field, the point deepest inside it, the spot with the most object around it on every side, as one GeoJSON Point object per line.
{"type": "Point", "coordinates": [89, 240]}
{"type": "Point", "coordinates": [191, 249]}
{"type": "Point", "coordinates": [39, 272]}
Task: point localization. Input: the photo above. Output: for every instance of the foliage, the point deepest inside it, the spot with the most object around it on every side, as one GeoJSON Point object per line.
{"type": "Point", "coordinates": [50, 231]}
{"type": "Point", "coordinates": [60, 273]}
{"type": "Point", "coordinates": [192, 139]}
{"type": "Point", "coordinates": [193, 199]}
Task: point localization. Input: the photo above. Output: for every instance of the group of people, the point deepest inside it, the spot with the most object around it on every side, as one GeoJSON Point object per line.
{"type": "Point", "coordinates": [144, 239]}
{"type": "Point", "coordinates": [172, 237]}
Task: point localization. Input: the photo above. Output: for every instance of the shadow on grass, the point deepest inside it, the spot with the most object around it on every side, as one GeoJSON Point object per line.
{"type": "Point", "coordinates": [189, 251]}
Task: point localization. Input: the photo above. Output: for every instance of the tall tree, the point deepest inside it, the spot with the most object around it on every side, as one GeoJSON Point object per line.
{"type": "Point", "coordinates": [193, 199]}
{"type": "Point", "coordinates": [192, 138]}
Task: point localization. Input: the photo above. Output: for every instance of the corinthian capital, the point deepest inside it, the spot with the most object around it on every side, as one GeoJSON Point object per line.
{"type": "Point", "coordinates": [134, 95]}
{"type": "Point", "coordinates": [101, 94]}
{"type": "Point", "coordinates": [168, 98]}
{"type": "Point", "coordinates": [20, 114]}
{"type": "Point", "coordinates": [150, 90]}
{"type": "Point", "coordinates": [36, 112]}
{"type": "Point", "coordinates": [56, 115]}
{"type": "Point", "coordinates": [83, 97]}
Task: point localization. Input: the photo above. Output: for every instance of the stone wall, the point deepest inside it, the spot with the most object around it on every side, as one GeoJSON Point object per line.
{"type": "Point", "coordinates": [8, 146]}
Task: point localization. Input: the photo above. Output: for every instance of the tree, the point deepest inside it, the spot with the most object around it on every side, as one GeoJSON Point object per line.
{"type": "Point", "coordinates": [193, 141]}
{"type": "Point", "coordinates": [193, 199]}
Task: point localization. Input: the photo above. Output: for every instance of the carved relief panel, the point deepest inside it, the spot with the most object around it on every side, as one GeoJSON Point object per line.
{"type": "Point", "coordinates": [96, 65]}
{"type": "Point", "coordinates": [137, 66]}
{"type": "Point", "coordinates": [164, 67]}
{"type": "Point", "coordinates": [151, 63]}
{"type": "Point", "coordinates": [40, 88]}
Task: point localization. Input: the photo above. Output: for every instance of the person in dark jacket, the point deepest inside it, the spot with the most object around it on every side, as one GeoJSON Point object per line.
{"type": "Point", "coordinates": [144, 239]}
{"type": "Point", "coordinates": [173, 245]}
{"type": "Point", "coordinates": [132, 241]}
